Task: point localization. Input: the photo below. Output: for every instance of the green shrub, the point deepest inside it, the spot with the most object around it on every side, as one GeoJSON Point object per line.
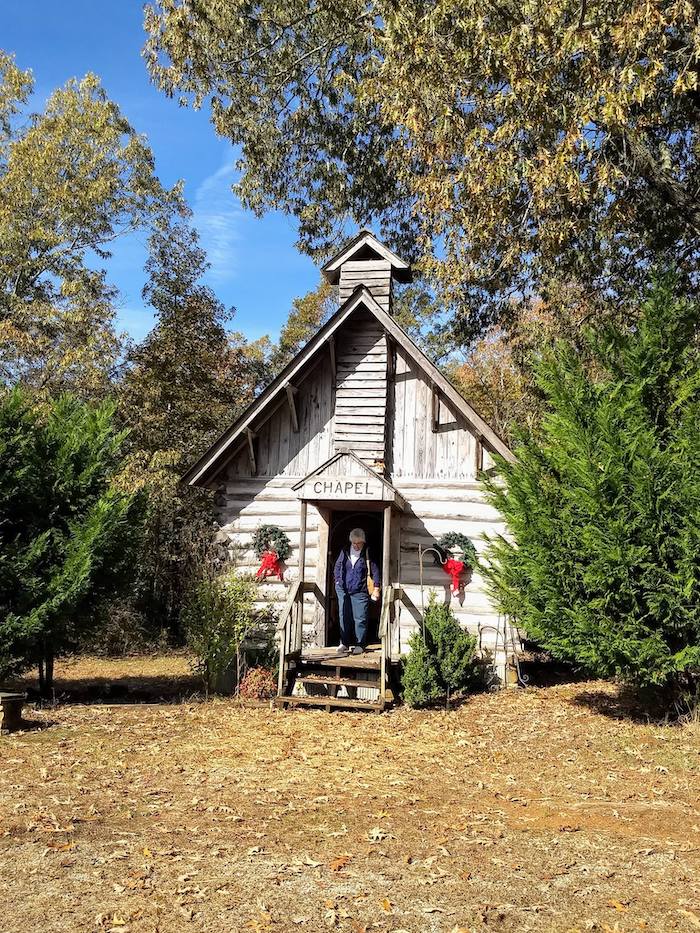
{"type": "Point", "coordinates": [420, 679]}
{"type": "Point", "coordinates": [444, 663]}
{"type": "Point", "coordinates": [217, 617]}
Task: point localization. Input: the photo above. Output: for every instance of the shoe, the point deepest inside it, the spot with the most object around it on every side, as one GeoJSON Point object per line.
{"type": "Point", "coordinates": [358, 649]}
{"type": "Point", "coordinates": [341, 649]}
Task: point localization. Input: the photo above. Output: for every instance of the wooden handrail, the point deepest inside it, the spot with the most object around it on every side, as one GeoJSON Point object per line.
{"type": "Point", "coordinates": [284, 627]}
{"type": "Point", "coordinates": [387, 599]}
{"type": "Point", "coordinates": [291, 599]}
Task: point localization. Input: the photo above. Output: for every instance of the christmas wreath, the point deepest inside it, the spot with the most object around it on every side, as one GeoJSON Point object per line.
{"type": "Point", "coordinates": [453, 567]}
{"type": "Point", "coordinates": [272, 546]}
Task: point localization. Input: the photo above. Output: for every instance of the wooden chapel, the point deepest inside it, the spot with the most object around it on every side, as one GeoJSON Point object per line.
{"type": "Point", "coordinates": [360, 429]}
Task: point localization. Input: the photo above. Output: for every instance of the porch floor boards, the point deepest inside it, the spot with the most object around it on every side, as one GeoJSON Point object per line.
{"type": "Point", "coordinates": [327, 657]}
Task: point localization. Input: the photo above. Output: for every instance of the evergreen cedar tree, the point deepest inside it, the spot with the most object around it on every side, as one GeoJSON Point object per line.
{"type": "Point", "coordinates": [67, 533]}
{"type": "Point", "coordinates": [603, 503]}
{"type": "Point", "coordinates": [495, 147]}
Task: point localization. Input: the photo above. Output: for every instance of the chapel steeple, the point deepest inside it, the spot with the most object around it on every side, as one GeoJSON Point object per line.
{"type": "Point", "coordinates": [366, 261]}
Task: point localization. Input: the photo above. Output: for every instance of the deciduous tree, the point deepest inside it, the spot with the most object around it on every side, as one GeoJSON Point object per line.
{"type": "Point", "coordinates": [72, 178]}
{"type": "Point", "coordinates": [504, 147]}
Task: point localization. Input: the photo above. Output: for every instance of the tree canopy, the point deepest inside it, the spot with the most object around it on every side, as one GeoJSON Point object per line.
{"type": "Point", "coordinates": [505, 148]}
{"type": "Point", "coordinates": [72, 178]}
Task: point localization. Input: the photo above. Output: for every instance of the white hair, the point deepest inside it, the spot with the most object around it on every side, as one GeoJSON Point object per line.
{"type": "Point", "coordinates": [358, 534]}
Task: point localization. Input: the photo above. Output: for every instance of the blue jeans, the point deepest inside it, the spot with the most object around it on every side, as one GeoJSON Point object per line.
{"type": "Point", "coordinates": [354, 610]}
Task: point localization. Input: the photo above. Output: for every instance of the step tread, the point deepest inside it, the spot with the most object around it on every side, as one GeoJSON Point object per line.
{"type": "Point", "coordinates": [340, 681]}
{"type": "Point", "coordinates": [370, 661]}
{"type": "Point", "coordinates": [329, 701]}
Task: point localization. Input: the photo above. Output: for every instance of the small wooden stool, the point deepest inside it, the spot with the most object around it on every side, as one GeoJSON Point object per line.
{"type": "Point", "coordinates": [11, 705]}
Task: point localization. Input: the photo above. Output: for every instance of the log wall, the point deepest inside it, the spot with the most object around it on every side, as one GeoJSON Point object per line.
{"type": "Point", "coordinates": [435, 471]}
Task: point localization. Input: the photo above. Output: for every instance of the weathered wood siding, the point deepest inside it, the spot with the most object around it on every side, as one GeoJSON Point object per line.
{"type": "Point", "coordinates": [435, 470]}
{"type": "Point", "coordinates": [281, 451]}
{"type": "Point", "coordinates": [415, 450]}
{"type": "Point", "coordinates": [435, 508]}
{"type": "Point", "coordinates": [375, 274]}
{"type": "Point", "coordinates": [359, 421]}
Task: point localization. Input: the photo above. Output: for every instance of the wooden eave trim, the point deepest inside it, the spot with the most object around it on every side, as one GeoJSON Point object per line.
{"type": "Point", "coordinates": [197, 473]}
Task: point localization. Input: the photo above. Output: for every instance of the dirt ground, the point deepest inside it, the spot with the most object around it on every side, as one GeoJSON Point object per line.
{"type": "Point", "coordinates": [537, 809]}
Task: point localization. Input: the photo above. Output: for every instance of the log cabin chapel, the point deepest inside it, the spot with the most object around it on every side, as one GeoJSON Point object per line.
{"type": "Point", "coordinates": [361, 429]}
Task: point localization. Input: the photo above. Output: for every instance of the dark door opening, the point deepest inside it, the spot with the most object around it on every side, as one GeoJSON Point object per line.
{"type": "Point", "coordinates": [341, 524]}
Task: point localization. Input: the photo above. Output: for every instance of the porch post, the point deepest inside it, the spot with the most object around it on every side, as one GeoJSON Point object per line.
{"type": "Point", "coordinates": [386, 581]}
{"type": "Point", "coordinates": [386, 549]}
{"type": "Point", "coordinates": [302, 567]}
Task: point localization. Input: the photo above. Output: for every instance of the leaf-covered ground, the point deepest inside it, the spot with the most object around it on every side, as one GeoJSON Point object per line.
{"type": "Point", "coordinates": [543, 809]}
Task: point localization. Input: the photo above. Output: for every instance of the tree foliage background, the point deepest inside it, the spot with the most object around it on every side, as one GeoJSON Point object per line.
{"type": "Point", "coordinates": [73, 177]}
{"type": "Point", "coordinates": [505, 149]}
{"type": "Point", "coordinates": [91, 424]}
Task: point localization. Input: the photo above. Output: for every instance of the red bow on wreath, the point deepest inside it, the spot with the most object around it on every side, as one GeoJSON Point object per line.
{"type": "Point", "coordinates": [455, 568]}
{"type": "Point", "coordinates": [269, 566]}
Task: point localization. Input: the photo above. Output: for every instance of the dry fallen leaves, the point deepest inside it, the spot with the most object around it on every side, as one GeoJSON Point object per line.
{"type": "Point", "coordinates": [531, 799]}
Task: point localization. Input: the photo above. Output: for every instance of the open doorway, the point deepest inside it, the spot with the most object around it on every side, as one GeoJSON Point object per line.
{"type": "Point", "coordinates": [341, 523]}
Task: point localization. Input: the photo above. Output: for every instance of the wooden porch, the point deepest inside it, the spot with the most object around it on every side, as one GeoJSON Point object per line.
{"type": "Point", "coordinates": [322, 678]}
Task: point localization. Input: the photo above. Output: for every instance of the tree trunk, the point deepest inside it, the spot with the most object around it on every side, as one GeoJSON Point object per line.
{"type": "Point", "coordinates": [46, 673]}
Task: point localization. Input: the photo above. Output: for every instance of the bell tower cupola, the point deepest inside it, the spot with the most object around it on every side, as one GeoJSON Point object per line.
{"type": "Point", "coordinates": [366, 261]}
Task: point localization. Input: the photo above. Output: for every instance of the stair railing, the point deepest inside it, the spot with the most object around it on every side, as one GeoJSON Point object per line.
{"type": "Point", "coordinates": [289, 632]}
{"type": "Point", "coordinates": [385, 635]}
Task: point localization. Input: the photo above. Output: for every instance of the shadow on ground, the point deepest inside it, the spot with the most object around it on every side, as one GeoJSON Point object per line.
{"type": "Point", "coordinates": [638, 706]}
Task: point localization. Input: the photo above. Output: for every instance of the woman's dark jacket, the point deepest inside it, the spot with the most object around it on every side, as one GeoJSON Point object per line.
{"type": "Point", "coordinates": [354, 579]}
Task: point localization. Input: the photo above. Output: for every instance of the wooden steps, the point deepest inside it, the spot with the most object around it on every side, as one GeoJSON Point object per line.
{"type": "Point", "coordinates": [326, 673]}
{"type": "Point", "coordinates": [316, 678]}
{"type": "Point", "coordinates": [329, 703]}
{"type": "Point", "coordinates": [327, 657]}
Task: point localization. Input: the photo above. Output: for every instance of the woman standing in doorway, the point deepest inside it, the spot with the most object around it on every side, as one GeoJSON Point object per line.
{"type": "Point", "coordinates": [353, 570]}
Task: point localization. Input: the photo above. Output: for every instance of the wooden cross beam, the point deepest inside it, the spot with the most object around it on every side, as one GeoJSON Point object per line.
{"type": "Point", "coordinates": [390, 357]}
{"type": "Point", "coordinates": [479, 455]}
{"type": "Point", "coordinates": [331, 348]}
{"type": "Point", "coordinates": [436, 410]}
{"type": "Point", "coordinates": [251, 435]}
{"type": "Point", "coordinates": [291, 392]}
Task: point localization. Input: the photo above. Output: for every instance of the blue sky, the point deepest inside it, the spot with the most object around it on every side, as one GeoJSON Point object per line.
{"type": "Point", "coordinates": [255, 266]}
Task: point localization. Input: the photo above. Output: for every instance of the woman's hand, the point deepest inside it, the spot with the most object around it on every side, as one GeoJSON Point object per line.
{"type": "Point", "coordinates": [376, 594]}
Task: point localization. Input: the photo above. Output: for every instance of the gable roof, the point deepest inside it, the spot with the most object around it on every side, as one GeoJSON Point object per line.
{"type": "Point", "coordinates": [214, 458]}
{"type": "Point", "coordinates": [364, 240]}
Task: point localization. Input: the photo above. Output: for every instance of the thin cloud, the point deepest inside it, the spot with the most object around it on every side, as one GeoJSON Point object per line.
{"type": "Point", "coordinates": [217, 217]}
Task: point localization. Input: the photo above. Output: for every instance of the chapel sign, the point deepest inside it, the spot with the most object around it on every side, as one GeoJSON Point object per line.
{"type": "Point", "coordinates": [344, 487]}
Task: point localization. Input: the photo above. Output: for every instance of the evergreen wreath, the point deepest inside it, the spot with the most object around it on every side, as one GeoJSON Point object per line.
{"type": "Point", "coordinates": [456, 539]}
{"type": "Point", "coordinates": [271, 538]}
